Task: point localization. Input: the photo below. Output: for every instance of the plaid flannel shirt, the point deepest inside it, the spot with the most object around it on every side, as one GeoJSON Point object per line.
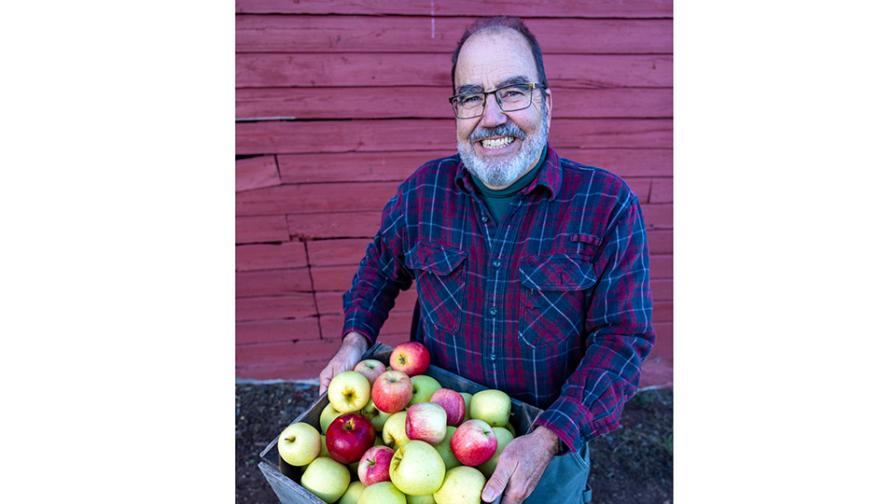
{"type": "Point", "coordinates": [553, 305]}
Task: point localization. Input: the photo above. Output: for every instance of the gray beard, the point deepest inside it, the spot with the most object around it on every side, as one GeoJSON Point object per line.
{"type": "Point", "coordinates": [503, 172]}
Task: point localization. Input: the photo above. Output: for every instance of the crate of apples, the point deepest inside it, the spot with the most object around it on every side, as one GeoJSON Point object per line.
{"type": "Point", "coordinates": [395, 429]}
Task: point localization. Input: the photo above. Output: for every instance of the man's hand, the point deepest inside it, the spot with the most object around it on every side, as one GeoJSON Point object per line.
{"type": "Point", "coordinates": [353, 347]}
{"type": "Point", "coordinates": [521, 465]}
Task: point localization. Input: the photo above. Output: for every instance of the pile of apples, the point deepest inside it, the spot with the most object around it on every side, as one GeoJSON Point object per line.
{"type": "Point", "coordinates": [406, 438]}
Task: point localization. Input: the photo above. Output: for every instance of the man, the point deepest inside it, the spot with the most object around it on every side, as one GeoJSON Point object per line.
{"type": "Point", "coordinates": [531, 270]}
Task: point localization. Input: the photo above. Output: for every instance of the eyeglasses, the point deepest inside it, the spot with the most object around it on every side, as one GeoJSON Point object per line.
{"type": "Point", "coordinates": [509, 98]}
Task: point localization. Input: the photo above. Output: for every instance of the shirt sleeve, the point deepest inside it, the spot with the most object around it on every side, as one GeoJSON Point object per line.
{"type": "Point", "coordinates": [380, 277]}
{"type": "Point", "coordinates": [619, 336]}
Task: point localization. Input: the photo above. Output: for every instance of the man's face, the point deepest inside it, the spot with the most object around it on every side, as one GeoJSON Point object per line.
{"type": "Point", "coordinates": [489, 60]}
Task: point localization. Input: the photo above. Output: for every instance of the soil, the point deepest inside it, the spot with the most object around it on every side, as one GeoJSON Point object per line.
{"type": "Point", "coordinates": [632, 465]}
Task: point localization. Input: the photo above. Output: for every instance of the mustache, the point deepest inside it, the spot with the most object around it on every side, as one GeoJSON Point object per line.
{"type": "Point", "coordinates": [508, 129]}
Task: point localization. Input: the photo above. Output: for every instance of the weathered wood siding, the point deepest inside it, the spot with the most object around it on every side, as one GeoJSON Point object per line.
{"type": "Point", "coordinates": [322, 140]}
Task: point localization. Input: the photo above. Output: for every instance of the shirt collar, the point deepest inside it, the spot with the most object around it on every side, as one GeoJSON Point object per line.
{"type": "Point", "coordinates": [549, 176]}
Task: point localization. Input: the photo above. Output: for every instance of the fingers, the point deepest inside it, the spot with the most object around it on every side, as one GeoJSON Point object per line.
{"type": "Point", "coordinates": [496, 484]}
{"type": "Point", "coordinates": [325, 376]}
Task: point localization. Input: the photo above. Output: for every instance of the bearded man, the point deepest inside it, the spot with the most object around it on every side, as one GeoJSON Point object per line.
{"type": "Point", "coordinates": [531, 270]}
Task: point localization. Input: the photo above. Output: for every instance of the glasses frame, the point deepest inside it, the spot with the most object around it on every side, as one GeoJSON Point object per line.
{"type": "Point", "coordinates": [531, 86]}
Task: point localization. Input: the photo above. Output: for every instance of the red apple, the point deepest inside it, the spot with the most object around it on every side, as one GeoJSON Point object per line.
{"type": "Point", "coordinates": [474, 442]}
{"type": "Point", "coordinates": [426, 422]}
{"type": "Point", "coordinates": [392, 391]}
{"type": "Point", "coordinates": [412, 358]}
{"type": "Point", "coordinates": [370, 368]}
{"type": "Point", "coordinates": [453, 403]}
{"type": "Point", "coordinates": [374, 466]}
{"type": "Point", "coordinates": [349, 436]}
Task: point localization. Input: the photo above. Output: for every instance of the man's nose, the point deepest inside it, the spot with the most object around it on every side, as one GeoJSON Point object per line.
{"type": "Point", "coordinates": [492, 115]}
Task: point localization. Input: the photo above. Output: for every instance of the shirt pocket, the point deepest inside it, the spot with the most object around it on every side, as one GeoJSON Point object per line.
{"type": "Point", "coordinates": [556, 292]}
{"type": "Point", "coordinates": [441, 279]}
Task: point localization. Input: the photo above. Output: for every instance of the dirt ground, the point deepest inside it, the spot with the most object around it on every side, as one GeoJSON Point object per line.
{"type": "Point", "coordinates": [632, 465]}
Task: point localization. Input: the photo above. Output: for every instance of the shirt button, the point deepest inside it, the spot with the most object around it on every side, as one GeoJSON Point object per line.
{"type": "Point", "coordinates": [492, 357]}
{"type": "Point", "coordinates": [496, 263]}
{"type": "Point", "coordinates": [493, 311]}
{"type": "Point", "coordinates": [484, 219]}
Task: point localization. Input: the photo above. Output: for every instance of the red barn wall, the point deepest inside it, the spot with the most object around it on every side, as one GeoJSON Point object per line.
{"type": "Point", "coordinates": [337, 102]}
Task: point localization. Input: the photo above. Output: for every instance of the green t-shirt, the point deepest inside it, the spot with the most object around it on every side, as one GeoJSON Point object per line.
{"type": "Point", "coordinates": [498, 201]}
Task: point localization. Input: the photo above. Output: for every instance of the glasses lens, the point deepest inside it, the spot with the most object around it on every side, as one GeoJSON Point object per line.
{"type": "Point", "coordinates": [514, 98]}
{"type": "Point", "coordinates": [469, 105]}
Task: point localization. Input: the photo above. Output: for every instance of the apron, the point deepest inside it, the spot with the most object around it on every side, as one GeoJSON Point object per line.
{"type": "Point", "coordinates": [565, 481]}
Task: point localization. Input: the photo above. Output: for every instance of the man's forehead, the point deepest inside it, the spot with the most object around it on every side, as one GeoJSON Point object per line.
{"type": "Point", "coordinates": [494, 56]}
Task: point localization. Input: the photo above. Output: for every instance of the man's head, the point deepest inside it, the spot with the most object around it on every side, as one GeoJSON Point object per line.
{"type": "Point", "coordinates": [493, 53]}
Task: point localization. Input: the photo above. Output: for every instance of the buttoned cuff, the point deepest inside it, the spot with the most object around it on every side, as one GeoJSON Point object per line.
{"type": "Point", "coordinates": [360, 330]}
{"type": "Point", "coordinates": [573, 423]}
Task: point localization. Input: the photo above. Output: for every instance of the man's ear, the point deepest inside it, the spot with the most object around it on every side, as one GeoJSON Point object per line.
{"type": "Point", "coordinates": [548, 104]}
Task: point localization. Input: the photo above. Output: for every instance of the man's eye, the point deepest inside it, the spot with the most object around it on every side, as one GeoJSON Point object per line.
{"type": "Point", "coordinates": [470, 100]}
{"type": "Point", "coordinates": [511, 93]}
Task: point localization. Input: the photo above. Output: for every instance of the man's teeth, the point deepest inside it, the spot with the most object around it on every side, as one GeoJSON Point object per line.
{"type": "Point", "coordinates": [496, 143]}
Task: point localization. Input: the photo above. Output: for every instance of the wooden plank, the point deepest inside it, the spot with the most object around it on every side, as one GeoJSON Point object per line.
{"type": "Point", "coordinates": [253, 173]}
{"type": "Point", "coordinates": [330, 303]}
{"type": "Point", "coordinates": [335, 225]}
{"type": "Point", "coordinates": [265, 70]}
{"type": "Point", "coordinates": [434, 134]}
{"type": "Point", "coordinates": [310, 198]}
{"type": "Point", "coordinates": [267, 228]}
{"type": "Point", "coordinates": [397, 166]}
{"type": "Point", "coordinates": [661, 288]}
{"type": "Point", "coordinates": [409, 34]}
{"type": "Point", "coordinates": [333, 278]}
{"type": "Point", "coordinates": [661, 266]}
{"type": "Point", "coordinates": [660, 241]}
{"type": "Point", "coordinates": [399, 322]}
{"type": "Point", "coordinates": [265, 257]}
{"type": "Point", "coordinates": [285, 360]}
{"type": "Point", "coordinates": [438, 8]}
{"type": "Point", "coordinates": [432, 102]}
{"type": "Point", "coordinates": [275, 307]}
{"type": "Point", "coordinates": [661, 190]}
{"type": "Point", "coordinates": [663, 346]}
{"type": "Point", "coordinates": [662, 311]}
{"type": "Point", "coordinates": [657, 216]}
{"type": "Point", "coordinates": [270, 331]}
{"type": "Point", "coordinates": [273, 282]}
{"type": "Point", "coordinates": [346, 252]}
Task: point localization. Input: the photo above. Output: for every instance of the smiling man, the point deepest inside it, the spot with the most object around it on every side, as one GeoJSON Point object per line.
{"type": "Point", "coordinates": [531, 270]}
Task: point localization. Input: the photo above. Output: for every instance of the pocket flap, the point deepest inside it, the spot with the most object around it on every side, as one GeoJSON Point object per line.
{"type": "Point", "coordinates": [435, 258]}
{"type": "Point", "coordinates": [559, 272]}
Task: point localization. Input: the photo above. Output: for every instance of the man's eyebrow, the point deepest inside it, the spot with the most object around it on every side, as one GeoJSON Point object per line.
{"type": "Point", "coordinates": [510, 81]}
{"type": "Point", "coordinates": [469, 88]}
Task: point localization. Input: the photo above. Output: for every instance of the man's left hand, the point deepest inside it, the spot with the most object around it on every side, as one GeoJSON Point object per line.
{"type": "Point", "coordinates": [521, 466]}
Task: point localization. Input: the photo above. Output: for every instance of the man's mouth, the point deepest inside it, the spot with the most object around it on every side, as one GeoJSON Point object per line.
{"type": "Point", "coordinates": [496, 142]}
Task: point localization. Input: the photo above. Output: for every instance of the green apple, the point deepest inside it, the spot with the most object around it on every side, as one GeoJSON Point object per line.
{"type": "Point", "coordinates": [376, 417]}
{"type": "Point", "coordinates": [421, 499]}
{"type": "Point", "coordinates": [491, 406]}
{"type": "Point", "coordinates": [383, 492]}
{"type": "Point", "coordinates": [504, 436]}
{"type": "Point", "coordinates": [394, 433]}
{"type": "Point", "coordinates": [467, 397]}
{"type": "Point", "coordinates": [424, 387]}
{"type": "Point", "coordinates": [299, 444]}
{"type": "Point", "coordinates": [417, 468]}
{"type": "Point", "coordinates": [463, 485]}
{"type": "Point", "coordinates": [324, 452]}
{"type": "Point", "coordinates": [349, 391]}
{"type": "Point", "coordinates": [326, 478]}
{"type": "Point", "coordinates": [327, 416]}
{"type": "Point", "coordinates": [351, 496]}
{"type": "Point", "coordinates": [444, 449]}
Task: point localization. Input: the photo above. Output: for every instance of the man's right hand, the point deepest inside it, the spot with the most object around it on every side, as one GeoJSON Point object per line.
{"type": "Point", "coordinates": [353, 347]}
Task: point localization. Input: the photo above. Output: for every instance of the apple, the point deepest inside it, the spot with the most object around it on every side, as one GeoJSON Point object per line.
{"type": "Point", "coordinates": [349, 391]}
{"type": "Point", "coordinates": [349, 436]}
{"type": "Point", "coordinates": [453, 403]}
{"type": "Point", "coordinates": [326, 478]}
{"type": "Point", "coordinates": [473, 443]}
{"type": "Point", "coordinates": [351, 496]}
{"type": "Point", "coordinates": [424, 388]}
{"type": "Point", "coordinates": [420, 499]}
{"type": "Point", "coordinates": [370, 368]}
{"type": "Point", "coordinates": [392, 391]}
{"type": "Point", "coordinates": [376, 417]}
{"type": "Point", "coordinates": [427, 422]}
{"type": "Point", "coordinates": [299, 444]}
{"type": "Point", "coordinates": [444, 449]}
{"type": "Point", "coordinates": [467, 398]}
{"type": "Point", "coordinates": [327, 415]}
{"type": "Point", "coordinates": [503, 436]}
{"type": "Point", "coordinates": [492, 406]}
{"type": "Point", "coordinates": [374, 466]}
{"type": "Point", "coordinates": [463, 485]}
{"type": "Point", "coordinates": [417, 468]}
{"type": "Point", "coordinates": [411, 357]}
{"type": "Point", "coordinates": [323, 447]}
{"type": "Point", "coordinates": [382, 493]}
{"type": "Point", "coordinates": [394, 433]}
{"type": "Point", "coordinates": [509, 427]}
